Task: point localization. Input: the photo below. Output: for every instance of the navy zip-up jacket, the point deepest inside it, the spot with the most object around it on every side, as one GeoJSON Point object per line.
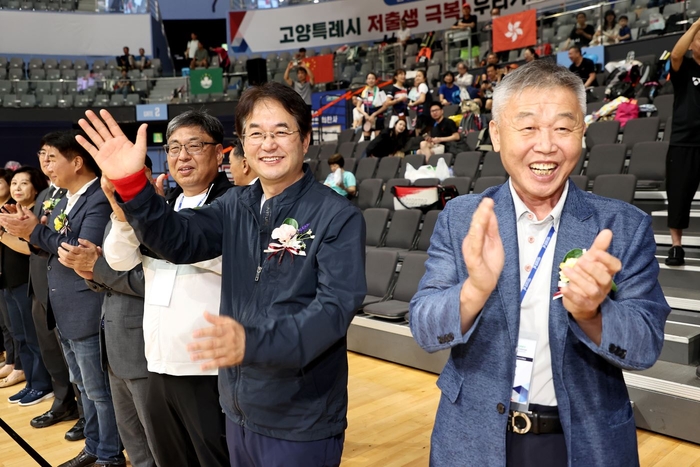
{"type": "Point", "coordinates": [296, 311]}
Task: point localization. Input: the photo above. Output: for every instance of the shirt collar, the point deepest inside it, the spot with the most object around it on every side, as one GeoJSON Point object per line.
{"type": "Point", "coordinates": [521, 209]}
{"type": "Point", "coordinates": [83, 189]}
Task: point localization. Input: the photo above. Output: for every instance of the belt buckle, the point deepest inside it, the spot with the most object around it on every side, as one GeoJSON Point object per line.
{"type": "Point", "coordinates": [516, 428]}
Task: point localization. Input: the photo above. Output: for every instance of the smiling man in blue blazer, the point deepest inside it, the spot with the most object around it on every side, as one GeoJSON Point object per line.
{"type": "Point", "coordinates": [535, 380]}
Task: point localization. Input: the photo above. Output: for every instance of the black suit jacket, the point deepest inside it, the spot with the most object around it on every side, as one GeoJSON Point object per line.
{"type": "Point", "coordinates": [38, 260]}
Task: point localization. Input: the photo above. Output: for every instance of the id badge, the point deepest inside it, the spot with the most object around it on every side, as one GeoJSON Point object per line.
{"type": "Point", "coordinates": [524, 365]}
{"type": "Point", "coordinates": [162, 287]}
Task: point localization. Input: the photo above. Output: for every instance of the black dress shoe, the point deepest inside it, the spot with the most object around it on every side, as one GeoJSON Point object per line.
{"type": "Point", "coordinates": [83, 459]}
{"type": "Point", "coordinates": [51, 418]}
{"type": "Point", "coordinates": [76, 433]}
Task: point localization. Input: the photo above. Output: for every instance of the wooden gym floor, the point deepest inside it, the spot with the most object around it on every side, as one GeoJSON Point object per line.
{"type": "Point", "coordinates": [391, 414]}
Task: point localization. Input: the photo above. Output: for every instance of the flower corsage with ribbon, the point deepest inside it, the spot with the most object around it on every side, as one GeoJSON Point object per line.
{"type": "Point", "coordinates": [290, 239]}
{"type": "Point", "coordinates": [60, 223]}
{"type": "Point", "coordinates": [569, 261]}
{"type": "Point", "coordinates": [49, 205]}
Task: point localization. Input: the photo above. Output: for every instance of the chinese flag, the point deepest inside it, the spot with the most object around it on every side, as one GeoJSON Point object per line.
{"type": "Point", "coordinates": [321, 66]}
{"type": "Point", "coordinates": [515, 31]}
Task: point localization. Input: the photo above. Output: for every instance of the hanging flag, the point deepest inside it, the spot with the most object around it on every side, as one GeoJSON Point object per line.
{"type": "Point", "coordinates": [515, 31]}
{"type": "Point", "coordinates": [321, 66]}
{"type": "Point", "coordinates": [206, 81]}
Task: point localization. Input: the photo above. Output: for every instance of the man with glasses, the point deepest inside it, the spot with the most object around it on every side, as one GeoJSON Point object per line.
{"type": "Point", "coordinates": [444, 133]}
{"type": "Point", "coordinates": [293, 276]}
{"type": "Point", "coordinates": [184, 418]}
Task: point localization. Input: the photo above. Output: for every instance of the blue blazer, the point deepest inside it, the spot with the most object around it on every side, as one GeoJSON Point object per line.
{"type": "Point", "coordinates": [74, 306]}
{"type": "Point", "coordinates": [594, 406]}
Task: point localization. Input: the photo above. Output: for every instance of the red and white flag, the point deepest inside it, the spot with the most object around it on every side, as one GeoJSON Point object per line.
{"type": "Point", "coordinates": [515, 31]}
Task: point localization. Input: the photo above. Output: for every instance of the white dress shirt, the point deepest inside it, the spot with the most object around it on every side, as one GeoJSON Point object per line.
{"type": "Point", "coordinates": [534, 310]}
{"type": "Point", "coordinates": [73, 198]}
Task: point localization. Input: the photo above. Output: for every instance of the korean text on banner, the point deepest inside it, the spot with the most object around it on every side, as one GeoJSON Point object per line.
{"type": "Point", "coordinates": [321, 66]}
{"type": "Point", "coordinates": [206, 81]}
{"type": "Point", "coordinates": [515, 31]}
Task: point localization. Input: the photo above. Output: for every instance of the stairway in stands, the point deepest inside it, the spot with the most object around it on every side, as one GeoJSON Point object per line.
{"type": "Point", "coordinates": [164, 90]}
{"type": "Point", "coordinates": [88, 6]}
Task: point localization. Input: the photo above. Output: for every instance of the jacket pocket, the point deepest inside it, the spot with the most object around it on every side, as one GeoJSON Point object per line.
{"type": "Point", "coordinates": [450, 383]}
{"type": "Point", "coordinates": [133, 322]}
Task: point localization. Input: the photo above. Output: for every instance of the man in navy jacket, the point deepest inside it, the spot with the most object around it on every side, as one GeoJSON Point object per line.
{"type": "Point", "coordinates": [293, 276]}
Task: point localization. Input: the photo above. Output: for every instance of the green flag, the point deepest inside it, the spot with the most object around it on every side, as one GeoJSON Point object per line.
{"type": "Point", "coordinates": [206, 81]}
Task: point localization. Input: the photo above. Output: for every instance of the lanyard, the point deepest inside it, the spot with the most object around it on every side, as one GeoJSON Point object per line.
{"type": "Point", "coordinates": [535, 266]}
{"type": "Point", "coordinates": [201, 201]}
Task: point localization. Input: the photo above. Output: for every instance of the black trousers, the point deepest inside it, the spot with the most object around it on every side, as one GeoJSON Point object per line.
{"type": "Point", "coordinates": [187, 420]}
{"type": "Point", "coordinates": [11, 345]}
{"type": "Point", "coordinates": [54, 361]}
{"type": "Point", "coordinates": [530, 450]}
{"type": "Point", "coordinates": [682, 180]}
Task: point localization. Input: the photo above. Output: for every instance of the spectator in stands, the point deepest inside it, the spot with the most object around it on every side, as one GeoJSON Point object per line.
{"type": "Point", "coordinates": [468, 20]}
{"type": "Point", "coordinates": [126, 61]}
{"type": "Point", "coordinates": [449, 93]}
{"type": "Point", "coordinates": [201, 57]}
{"type": "Point", "coordinates": [287, 332]}
{"type": "Point", "coordinates": [625, 31]}
{"type": "Point", "coordinates": [530, 54]}
{"type": "Point", "coordinates": [192, 46]}
{"type": "Point", "coordinates": [443, 133]}
{"type": "Point", "coordinates": [342, 181]}
{"type": "Point", "coordinates": [493, 59]}
{"type": "Point", "coordinates": [27, 183]}
{"type": "Point", "coordinates": [609, 32]}
{"type": "Point", "coordinates": [222, 53]}
{"type": "Point", "coordinates": [372, 107]}
{"type": "Point", "coordinates": [12, 372]}
{"type": "Point", "coordinates": [142, 62]}
{"type": "Point", "coordinates": [303, 85]}
{"type": "Point", "coordinates": [583, 67]}
{"type": "Point", "coordinates": [397, 97]}
{"type": "Point", "coordinates": [124, 85]}
{"type": "Point", "coordinates": [241, 171]}
{"type": "Point", "coordinates": [391, 141]}
{"type": "Point", "coordinates": [482, 299]}
{"type": "Point", "coordinates": [403, 35]}
{"type": "Point", "coordinates": [419, 99]}
{"type": "Point", "coordinates": [683, 158]}
{"type": "Point", "coordinates": [488, 84]}
{"type": "Point", "coordinates": [465, 82]}
{"type": "Point", "coordinates": [86, 81]}
{"type": "Point", "coordinates": [301, 55]}
{"type": "Point", "coordinates": [495, 13]}
{"type": "Point", "coordinates": [582, 33]}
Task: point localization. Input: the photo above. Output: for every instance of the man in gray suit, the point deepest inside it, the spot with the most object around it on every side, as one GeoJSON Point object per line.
{"type": "Point", "coordinates": [534, 377]}
{"type": "Point", "coordinates": [121, 336]}
{"type": "Point", "coordinates": [64, 405]}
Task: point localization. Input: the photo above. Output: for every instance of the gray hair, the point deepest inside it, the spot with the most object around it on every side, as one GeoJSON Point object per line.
{"type": "Point", "coordinates": [541, 75]}
{"type": "Point", "coordinates": [195, 118]}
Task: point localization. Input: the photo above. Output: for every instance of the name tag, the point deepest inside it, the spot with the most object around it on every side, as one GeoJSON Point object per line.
{"type": "Point", "coordinates": [162, 287]}
{"type": "Point", "coordinates": [524, 364]}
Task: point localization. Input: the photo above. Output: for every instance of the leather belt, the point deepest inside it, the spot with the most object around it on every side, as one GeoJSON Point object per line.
{"type": "Point", "coordinates": [533, 422]}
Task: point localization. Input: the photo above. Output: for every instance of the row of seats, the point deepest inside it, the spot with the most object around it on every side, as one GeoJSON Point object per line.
{"type": "Point", "coordinates": [638, 130]}
{"type": "Point", "coordinates": [67, 65]}
{"type": "Point", "coordinates": [68, 100]}
{"type": "Point", "coordinates": [30, 5]}
{"type": "Point", "coordinates": [64, 87]}
{"type": "Point", "coordinates": [40, 74]}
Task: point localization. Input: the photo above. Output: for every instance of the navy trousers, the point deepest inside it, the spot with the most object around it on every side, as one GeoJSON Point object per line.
{"type": "Point", "coordinates": [532, 450]}
{"type": "Point", "coordinates": [249, 449]}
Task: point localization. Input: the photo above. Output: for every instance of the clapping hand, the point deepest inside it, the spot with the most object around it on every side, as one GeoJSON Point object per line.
{"type": "Point", "coordinates": [19, 221]}
{"type": "Point", "coordinates": [114, 153]}
{"type": "Point", "coordinates": [482, 249]}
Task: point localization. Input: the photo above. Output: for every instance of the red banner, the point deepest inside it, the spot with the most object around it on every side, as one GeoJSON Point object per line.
{"type": "Point", "coordinates": [515, 31]}
{"type": "Point", "coordinates": [321, 66]}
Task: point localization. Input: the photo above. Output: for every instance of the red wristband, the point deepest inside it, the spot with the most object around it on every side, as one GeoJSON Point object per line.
{"type": "Point", "coordinates": [129, 187]}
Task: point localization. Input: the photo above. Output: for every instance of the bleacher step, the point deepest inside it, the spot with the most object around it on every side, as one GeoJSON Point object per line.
{"type": "Point", "coordinates": [681, 343]}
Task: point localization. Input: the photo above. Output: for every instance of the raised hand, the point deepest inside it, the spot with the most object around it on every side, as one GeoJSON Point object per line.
{"type": "Point", "coordinates": [159, 182]}
{"type": "Point", "coordinates": [483, 250]}
{"type": "Point", "coordinates": [590, 279]}
{"type": "Point", "coordinates": [114, 153]}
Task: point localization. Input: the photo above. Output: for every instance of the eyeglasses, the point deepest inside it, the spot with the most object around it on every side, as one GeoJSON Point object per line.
{"type": "Point", "coordinates": [42, 154]}
{"type": "Point", "coordinates": [257, 137]}
{"type": "Point", "coordinates": [193, 149]}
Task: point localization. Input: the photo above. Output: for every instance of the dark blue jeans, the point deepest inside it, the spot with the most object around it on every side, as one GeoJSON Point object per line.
{"type": "Point", "coordinates": [85, 367]}
{"type": "Point", "coordinates": [19, 307]}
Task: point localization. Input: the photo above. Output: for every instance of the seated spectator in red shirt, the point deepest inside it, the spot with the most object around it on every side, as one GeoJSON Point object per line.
{"type": "Point", "coordinates": [224, 60]}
